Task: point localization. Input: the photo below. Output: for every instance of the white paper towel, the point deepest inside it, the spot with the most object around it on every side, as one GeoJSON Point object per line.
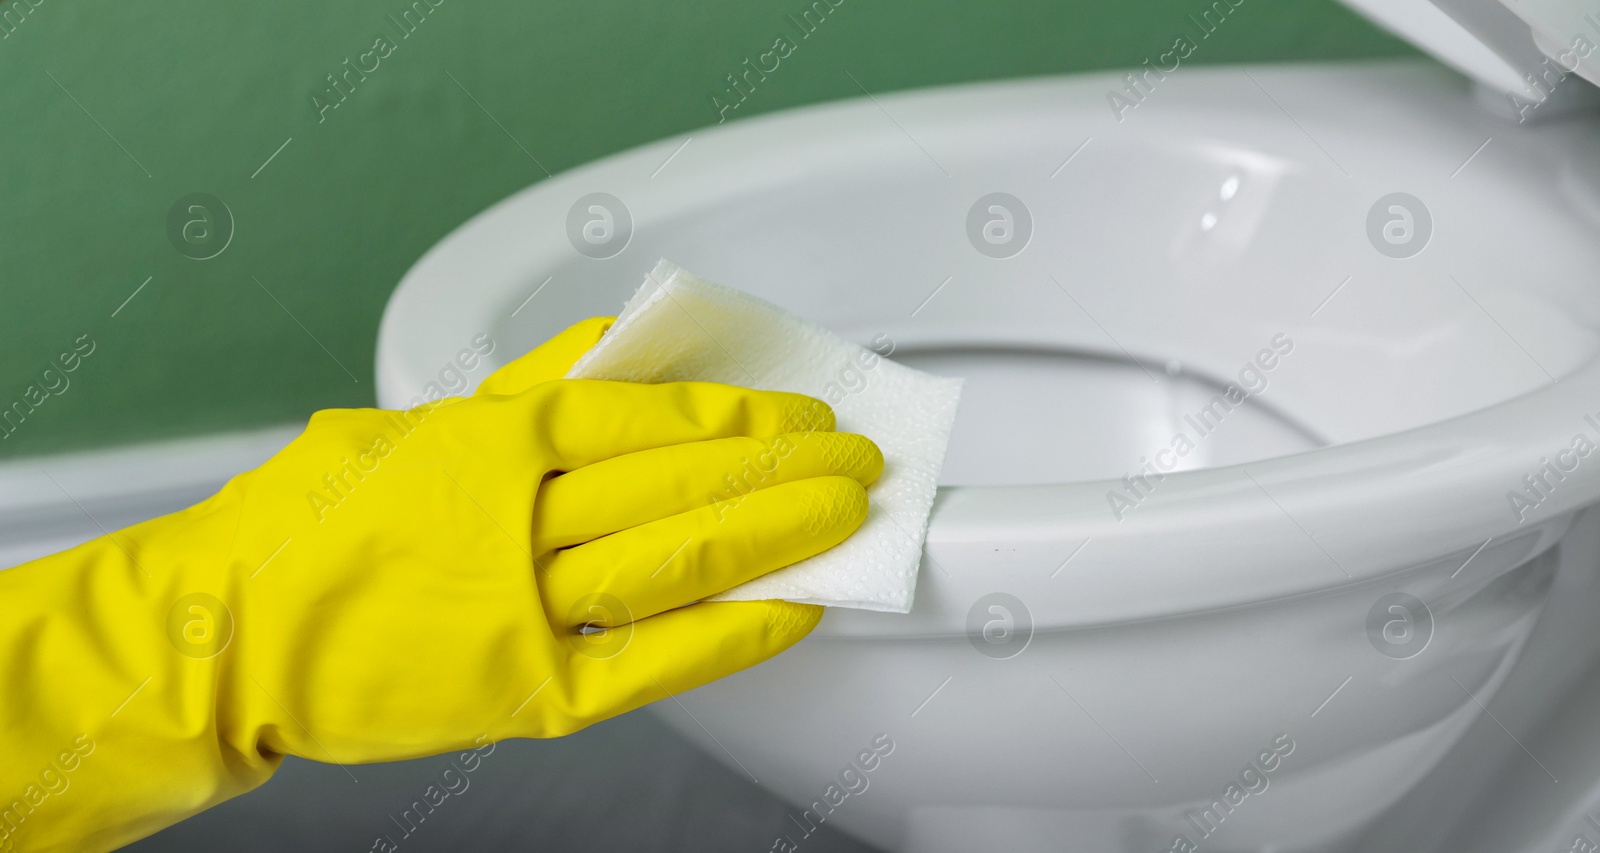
{"type": "Point", "coordinates": [681, 328]}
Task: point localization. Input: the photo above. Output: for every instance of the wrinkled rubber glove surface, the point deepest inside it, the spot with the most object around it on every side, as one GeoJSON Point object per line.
{"type": "Point", "coordinates": [400, 584]}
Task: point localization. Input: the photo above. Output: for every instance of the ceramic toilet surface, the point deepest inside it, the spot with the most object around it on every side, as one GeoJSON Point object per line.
{"type": "Point", "coordinates": [1183, 250]}
{"type": "Point", "coordinates": [1251, 365]}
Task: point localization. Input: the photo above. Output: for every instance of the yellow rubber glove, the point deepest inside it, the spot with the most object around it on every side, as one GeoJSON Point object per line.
{"type": "Point", "coordinates": [400, 584]}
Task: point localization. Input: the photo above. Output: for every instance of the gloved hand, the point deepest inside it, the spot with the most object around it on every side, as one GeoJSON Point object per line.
{"type": "Point", "coordinates": [399, 584]}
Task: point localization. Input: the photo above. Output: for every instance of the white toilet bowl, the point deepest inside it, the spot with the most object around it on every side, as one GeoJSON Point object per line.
{"type": "Point", "coordinates": [1268, 639]}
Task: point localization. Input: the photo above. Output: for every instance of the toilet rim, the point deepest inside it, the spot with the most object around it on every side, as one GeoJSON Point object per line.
{"type": "Point", "coordinates": [1432, 496]}
{"type": "Point", "coordinates": [1358, 510]}
{"type": "Point", "coordinates": [1363, 514]}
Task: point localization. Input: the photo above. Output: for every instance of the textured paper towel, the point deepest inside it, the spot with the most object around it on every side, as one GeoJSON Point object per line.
{"type": "Point", "coordinates": [681, 328]}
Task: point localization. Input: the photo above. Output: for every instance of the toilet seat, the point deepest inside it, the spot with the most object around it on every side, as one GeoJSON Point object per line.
{"type": "Point", "coordinates": [1403, 475]}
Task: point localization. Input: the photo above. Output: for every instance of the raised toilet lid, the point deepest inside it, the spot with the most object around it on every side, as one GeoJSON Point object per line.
{"type": "Point", "coordinates": [1521, 48]}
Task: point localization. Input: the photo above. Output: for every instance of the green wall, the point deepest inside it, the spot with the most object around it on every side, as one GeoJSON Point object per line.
{"type": "Point", "coordinates": [110, 112]}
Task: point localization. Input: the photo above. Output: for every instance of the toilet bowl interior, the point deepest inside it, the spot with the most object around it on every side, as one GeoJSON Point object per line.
{"type": "Point", "coordinates": [1103, 416]}
{"type": "Point", "coordinates": [1204, 273]}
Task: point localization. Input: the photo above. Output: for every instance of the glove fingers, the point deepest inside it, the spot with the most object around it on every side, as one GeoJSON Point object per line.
{"type": "Point", "coordinates": [584, 421]}
{"type": "Point", "coordinates": [619, 669]}
{"type": "Point", "coordinates": [641, 487]}
{"type": "Point", "coordinates": [550, 360]}
{"type": "Point", "coordinates": [681, 559]}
